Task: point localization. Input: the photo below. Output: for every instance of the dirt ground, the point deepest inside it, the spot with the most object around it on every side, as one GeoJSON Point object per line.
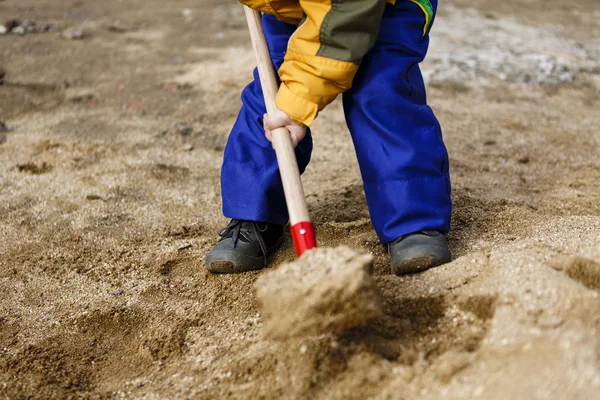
{"type": "Point", "coordinates": [109, 199]}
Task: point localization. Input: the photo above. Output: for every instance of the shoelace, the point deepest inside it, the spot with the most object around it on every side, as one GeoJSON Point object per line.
{"type": "Point", "coordinates": [234, 229]}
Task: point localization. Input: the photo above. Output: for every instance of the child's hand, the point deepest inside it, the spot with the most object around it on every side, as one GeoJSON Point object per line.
{"type": "Point", "coordinates": [281, 120]}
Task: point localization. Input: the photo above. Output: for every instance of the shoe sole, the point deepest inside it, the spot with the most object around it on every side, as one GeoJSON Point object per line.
{"type": "Point", "coordinates": [233, 267]}
{"type": "Point", "coordinates": [228, 267]}
{"type": "Point", "coordinates": [418, 264]}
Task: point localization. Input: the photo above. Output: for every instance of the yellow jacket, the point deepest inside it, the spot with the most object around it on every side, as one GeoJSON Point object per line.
{"type": "Point", "coordinates": [324, 53]}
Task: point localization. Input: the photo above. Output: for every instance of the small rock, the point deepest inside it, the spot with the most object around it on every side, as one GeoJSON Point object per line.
{"type": "Point", "coordinates": [34, 169]}
{"type": "Point", "coordinates": [188, 147]}
{"type": "Point", "coordinates": [29, 26]}
{"type": "Point", "coordinates": [19, 30]}
{"type": "Point", "coordinates": [3, 30]}
{"type": "Point", "coordinates": [79, 95]}
{"type": "Point", "coordinates": [2, 75]}
{"type": "Point", "coordinates": [182, 248]}
{"type": "Point", "coordinates": [12, 24]}
{"type": "Point", "coordinates": [118, 28]}
{"type": "Point", "coordinates": [74, 34]}
{"type": "Point", "coordinates": [523, 160]}
{"type": "Point", "coordinates": [44, 28]}
{"type": "Point", "coordinates": [184, 128]}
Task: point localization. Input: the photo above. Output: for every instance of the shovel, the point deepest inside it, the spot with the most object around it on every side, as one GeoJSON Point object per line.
{"type": "Point", "coordinates": [302, 229]}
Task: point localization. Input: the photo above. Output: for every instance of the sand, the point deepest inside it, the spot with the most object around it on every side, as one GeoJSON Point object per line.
{"type": "Point", "coordinates": [108, 204]}
{"type": "Point", "coordinates": [325, 291]}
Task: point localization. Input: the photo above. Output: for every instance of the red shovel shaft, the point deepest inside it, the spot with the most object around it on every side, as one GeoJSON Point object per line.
{"type": "Point", "coordinates": [303, 231]}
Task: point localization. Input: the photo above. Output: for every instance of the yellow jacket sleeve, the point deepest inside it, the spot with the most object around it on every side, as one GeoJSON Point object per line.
{"type": "Point", "coordinates": [324, 53]}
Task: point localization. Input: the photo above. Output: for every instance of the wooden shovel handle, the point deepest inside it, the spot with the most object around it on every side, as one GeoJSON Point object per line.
{"type": "Point", "coordinates": [282, 142]}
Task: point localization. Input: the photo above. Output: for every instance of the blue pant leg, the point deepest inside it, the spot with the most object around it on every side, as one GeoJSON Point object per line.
{"type": "Point", "coordinates": [398, 140]}
{"type": "Point", "coordinates": [251, 187]}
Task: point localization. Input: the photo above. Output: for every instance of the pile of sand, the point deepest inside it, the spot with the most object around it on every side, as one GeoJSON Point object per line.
{"type": "Point", "coordinates": [327, 290]}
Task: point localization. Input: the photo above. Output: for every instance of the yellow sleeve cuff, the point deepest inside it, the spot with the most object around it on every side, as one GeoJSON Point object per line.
{"type": "Point", "coordinates": [298, 108]}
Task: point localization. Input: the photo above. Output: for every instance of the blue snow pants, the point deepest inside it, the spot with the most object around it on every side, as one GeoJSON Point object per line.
{"type": "Point", "coordinates": [397, 138]}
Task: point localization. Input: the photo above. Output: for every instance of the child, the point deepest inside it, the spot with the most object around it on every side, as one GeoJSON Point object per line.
{"type": "Point", "coordinates": [369, 50]}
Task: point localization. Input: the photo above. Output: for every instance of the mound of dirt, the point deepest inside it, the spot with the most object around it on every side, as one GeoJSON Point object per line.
{"type": "Point", "coordinates": [581, 269]}
{"type": "Point", "coordinates": [327, 290]}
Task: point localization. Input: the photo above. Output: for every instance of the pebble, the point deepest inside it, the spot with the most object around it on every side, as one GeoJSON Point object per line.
{"type": "Point", "coordinates": [24, 27]}
{"type": "Point", "coordinates": [47, 28]}
{"type": "Point", "coordinates": [184, 128]}
{"type": "Point", "coordinates": [2, 75]}
{"type": "Point", "coordinates": [74, 34]}
{"type": "Point", "coordinates": [79, 95]}
{"type": "Point", "coordinates": [523, 160]}
{"type": "Point", "coordinates": [19, 30]}
{"type": "Point", "coordinates": [12, 24]}
{"type": "Point", "coordinates": [28, 26]}
{"type": "Point", "coordinates": [118, 28]}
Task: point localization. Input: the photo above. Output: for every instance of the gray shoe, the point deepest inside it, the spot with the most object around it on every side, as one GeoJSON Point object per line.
{"type": "Point", "coordinates": [244, 246]}
{"type": "Point", "coordinates": [419, 251]}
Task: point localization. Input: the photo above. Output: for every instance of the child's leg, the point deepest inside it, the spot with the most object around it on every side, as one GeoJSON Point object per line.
{"type": "Point", "coordinates": [251, 187]}
{"type": "Point", "coordinates": [403, 160]}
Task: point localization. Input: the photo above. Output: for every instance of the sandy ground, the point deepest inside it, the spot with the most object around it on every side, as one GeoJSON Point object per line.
{"type": "Point", "coordinates": [109, 200]}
